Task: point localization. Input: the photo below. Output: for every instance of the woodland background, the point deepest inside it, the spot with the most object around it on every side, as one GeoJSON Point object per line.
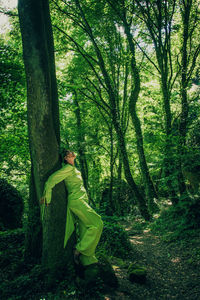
{"type": "Point", "coordinates": [128, 88]}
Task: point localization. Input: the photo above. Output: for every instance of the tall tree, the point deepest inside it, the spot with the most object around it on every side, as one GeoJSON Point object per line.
{"type": "Point", "coordinates": [158, 17]}
{"type": "Point", "coordinates": [189, 55]}
{"type": "Point", "coordinates": [122, 12]}
{"type": "Point", "coordinates": [81, 143]}
{"type": "Point", "coordinates": [44, 137]}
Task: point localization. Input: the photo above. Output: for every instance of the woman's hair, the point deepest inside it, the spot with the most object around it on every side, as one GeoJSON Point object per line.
{"type": "Point", "coordinates": [66, 152]}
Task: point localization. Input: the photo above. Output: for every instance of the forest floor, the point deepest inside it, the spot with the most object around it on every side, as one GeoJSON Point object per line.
{"type": "Point", "coordinates": [173, 268]}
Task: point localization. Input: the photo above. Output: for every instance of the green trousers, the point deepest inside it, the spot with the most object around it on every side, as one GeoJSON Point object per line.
{"type": "Point", "coordinates": [90, 227]}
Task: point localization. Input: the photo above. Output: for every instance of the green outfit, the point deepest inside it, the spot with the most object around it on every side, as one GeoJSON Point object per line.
{"type": "Point", "coordinates": [89, 222]}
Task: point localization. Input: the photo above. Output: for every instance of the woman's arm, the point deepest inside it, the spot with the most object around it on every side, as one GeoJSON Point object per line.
{"type": "Point", "coordinates": [54, 179]}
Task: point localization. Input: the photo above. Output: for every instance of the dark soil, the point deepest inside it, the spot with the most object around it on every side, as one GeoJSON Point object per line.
{"type": "Point", "coordinates": [173, 268]}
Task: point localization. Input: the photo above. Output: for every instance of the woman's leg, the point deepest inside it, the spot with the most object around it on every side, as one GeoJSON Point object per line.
{"type": "Point", "coordinates": [90, 229]}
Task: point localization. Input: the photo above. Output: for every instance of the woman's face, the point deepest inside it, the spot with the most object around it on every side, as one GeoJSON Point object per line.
{"type": "Point", "coordinates": [70, 157]}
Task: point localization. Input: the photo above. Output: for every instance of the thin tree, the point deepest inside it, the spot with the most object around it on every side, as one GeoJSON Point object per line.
{"type": "Point", "coordinates": [81, 143]}
{"type": "Point", "coordinates": [189, 55]}
{"type": "Point", "coordinates": [122, 13]}
{"type": "Point", "coordinates": [158, 17]}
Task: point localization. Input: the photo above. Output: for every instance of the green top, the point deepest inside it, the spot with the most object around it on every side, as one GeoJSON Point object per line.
{"type": "Point", "coordinates": [73, 181]}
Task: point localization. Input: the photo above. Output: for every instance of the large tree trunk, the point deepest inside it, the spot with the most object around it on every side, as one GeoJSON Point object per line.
{"type": "Point", "coordinates": [43, 128]}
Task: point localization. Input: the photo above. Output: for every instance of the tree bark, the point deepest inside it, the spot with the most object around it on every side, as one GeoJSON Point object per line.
{"type": "Point", "coordinates": [81, 143]}
{"type": "Point", "coordinates": [138, 196]}
{"type": "Point", "coordinates": [112, 205]}
{"type": "Point", "coordinates": [186, 10]}
{"type": "Point", "coordinates": [158, 21]}
{"type": "Point", "coordinates": [149, 187]}
{"type": "Point", "coordinates": [169, 162]}
{"type": "Point", "coordinates": [33, 234]}
{"type": "Point", "coordinates": [43, 129]}
{"type": "Point", "coordinates": [119, 180]}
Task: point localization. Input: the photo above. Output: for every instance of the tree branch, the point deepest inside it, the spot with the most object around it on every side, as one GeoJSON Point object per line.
{"type": "Point", "coordinates": [9, 13]}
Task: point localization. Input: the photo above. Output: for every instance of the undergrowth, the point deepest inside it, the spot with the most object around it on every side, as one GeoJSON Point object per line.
{"type": "Point", "coordinates": [114, 240]}
{"type": "Point", "coordinates": [178, 222]}
{"type": "Point", "coordinates": [19, 280]}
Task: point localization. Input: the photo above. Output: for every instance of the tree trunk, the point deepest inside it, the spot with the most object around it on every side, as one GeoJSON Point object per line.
{"type": "Point", "coordinates": [158, 22]}
{"type": "Point", "coordinates": [119, 190]}
{"type": "Point", "coordinates": [184, 101]}
{"type": "Point", "coordinates": [149, 187]}
{"type": "Point", "coordinates": [169, 159]}
{"type": "Point", "coordinates": [43, 129]}
{"type": "Point", "coordinates": [112, 205]}
{"type": "Point", "coordinates": [33, 236]}
{"type": "Point", "coordinates": [138, 196]}
{"type": "Point", "coordinates": [81, 144]}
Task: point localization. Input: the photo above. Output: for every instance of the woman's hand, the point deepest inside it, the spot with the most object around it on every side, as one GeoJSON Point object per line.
{"type": "Point", "coordinates": [43, 201]}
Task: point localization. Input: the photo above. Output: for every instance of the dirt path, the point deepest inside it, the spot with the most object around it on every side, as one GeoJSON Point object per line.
{"type": "Point", "coordinates": [172, 273]}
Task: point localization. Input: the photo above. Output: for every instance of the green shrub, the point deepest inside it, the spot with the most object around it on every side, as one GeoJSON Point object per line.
{"type": "Point", "coordinates": [11, 206]}
{"type": "Point", "coordinates": [192, 213]}
{"type": "Point", "coordinates": [25, 285]}
{"type": "Point", "coordinates": [176, 221]}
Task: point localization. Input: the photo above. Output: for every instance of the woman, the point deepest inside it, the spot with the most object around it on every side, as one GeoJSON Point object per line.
{"type": "Point", "coordinates": [89, 222]}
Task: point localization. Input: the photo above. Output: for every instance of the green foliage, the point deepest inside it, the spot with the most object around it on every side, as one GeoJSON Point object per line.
{"type": "Point", "coordinates": [25, 285]}
{"type": "Point", "coordinates": [194, 255]}
{"type": "Point", "coordinates": [190, 211]}
{"type": "Point", "coordinates": [20, 279]}
{"type": "Point", "coordinates": [14, 151]}
{"type": "Point", "coordinates": [122, 197]}
{"type": "Point", "coordinates": [114, 240]}
{"type": "Point", "coordinates": [179, 221]}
